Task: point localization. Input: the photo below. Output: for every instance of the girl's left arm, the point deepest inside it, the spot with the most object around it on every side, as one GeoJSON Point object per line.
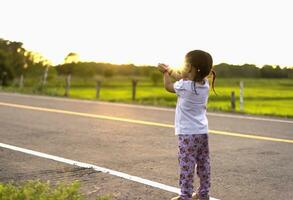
{"type": "Point", "coordinates": [168, 83]}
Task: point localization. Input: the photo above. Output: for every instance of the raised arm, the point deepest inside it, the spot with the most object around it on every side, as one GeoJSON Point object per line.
{"type": "Point", "coordinates": [168, 83]}
{"type": "Point", "coordinates": [172, 72]}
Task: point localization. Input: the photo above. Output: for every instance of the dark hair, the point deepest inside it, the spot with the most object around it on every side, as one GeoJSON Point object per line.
{"type": "Point", "coordinates": [203, 63]}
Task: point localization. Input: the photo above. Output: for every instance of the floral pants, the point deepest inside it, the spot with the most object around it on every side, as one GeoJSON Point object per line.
{"type": "Point", "coordinates": [194, 150]}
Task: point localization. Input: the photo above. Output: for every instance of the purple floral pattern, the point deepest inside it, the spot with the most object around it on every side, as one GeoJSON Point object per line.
{"type": "Point", "coordinates": [194, 151]}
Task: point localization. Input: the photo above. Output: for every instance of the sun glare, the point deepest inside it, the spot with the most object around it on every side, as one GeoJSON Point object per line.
{"type": "Point", "coordinates": [148, 32]}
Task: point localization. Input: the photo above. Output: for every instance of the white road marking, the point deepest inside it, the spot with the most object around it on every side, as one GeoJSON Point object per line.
{"type": "Point", "coordinates": [146, 107]}
{"type": "Point", "coordinates": [96, 168]}
{"type": "Point", "coordinates": [250, 118]}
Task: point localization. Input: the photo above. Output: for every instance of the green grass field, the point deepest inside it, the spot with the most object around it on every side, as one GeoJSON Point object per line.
{"type": "Point", "coordinates": [261, 96]}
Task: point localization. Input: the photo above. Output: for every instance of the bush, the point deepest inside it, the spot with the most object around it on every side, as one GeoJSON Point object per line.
{"type": "Point", "coordinates": [36, 190]}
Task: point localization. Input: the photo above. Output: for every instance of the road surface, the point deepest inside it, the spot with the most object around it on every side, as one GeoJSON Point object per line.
{"type": "Point", "coordinates": [251, 157]}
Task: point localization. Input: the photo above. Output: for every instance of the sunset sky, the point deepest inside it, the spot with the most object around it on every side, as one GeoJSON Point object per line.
{"type": "Point", "coordinates": [151, 31]}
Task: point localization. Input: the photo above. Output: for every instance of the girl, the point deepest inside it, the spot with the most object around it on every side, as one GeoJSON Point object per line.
{"type": "Point", "coordinates": [191, 124]}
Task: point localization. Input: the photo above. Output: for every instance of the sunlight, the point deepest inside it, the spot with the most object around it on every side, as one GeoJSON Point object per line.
{"type": "Point", "coordinates": [148, 32]}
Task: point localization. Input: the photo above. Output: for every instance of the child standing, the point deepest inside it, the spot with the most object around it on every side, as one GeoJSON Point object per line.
{"type": "Point", "coordinates": [191, 124]}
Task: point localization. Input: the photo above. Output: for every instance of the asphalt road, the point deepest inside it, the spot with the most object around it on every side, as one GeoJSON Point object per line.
{"type": "Point", "coordinates": [242, 168]}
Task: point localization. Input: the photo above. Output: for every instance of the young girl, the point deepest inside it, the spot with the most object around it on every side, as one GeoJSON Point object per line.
{"type": "Point", "coordinates": [191, 124]}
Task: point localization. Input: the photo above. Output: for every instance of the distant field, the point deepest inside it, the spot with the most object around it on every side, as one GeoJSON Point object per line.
{"type": "Point", "coordinates": [261, 96]}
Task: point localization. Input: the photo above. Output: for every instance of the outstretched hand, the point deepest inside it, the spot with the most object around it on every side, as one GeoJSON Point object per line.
{"type": "Point", "coordinates": [163, 67]}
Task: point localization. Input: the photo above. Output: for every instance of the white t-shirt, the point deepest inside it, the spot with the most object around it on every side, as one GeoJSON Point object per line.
{"type": "Point", "coordinates": [190, 116]}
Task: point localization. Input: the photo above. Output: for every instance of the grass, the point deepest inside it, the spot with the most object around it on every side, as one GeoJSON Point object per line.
{"type": "Point", "coordinates": [36, 190]}
{"type": "Point", "coordinates": [261, 96]}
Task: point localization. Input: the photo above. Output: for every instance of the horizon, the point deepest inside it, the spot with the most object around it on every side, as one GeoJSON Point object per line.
{"type": "Point", "coordinates": [149, 65]}
{"type": "Point", "coordinates": [149, 32]}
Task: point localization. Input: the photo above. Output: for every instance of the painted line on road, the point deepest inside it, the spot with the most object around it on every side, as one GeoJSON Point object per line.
{"type": "Point", "coordinates": [146, 107]}
{"type": "Point", "coordinates": [149, 123]}
{"type": "Point", "coordinates": [96, 168]}
{"type": "Point", "coordinates": [250, 118]}
{"type": "Point", "coordinates": [250, 136]}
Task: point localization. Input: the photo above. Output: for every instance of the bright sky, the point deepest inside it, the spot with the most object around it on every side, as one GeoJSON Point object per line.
{"type": "Point", "coordinates": [151, 31]}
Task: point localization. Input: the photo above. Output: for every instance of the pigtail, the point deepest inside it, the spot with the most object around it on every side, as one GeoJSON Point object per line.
{"type": "Point", "coordinates": [213, 81]}
{"type": "Point", "coordinates": [194, 88]}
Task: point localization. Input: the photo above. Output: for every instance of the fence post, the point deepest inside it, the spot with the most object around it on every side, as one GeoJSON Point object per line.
{"type": "Point", "coordinates": [21, 81]}
{"type": "Point", "coordinates": [45, 77]}
{"type": "Point", "coordinates": [233, 105]}
{"type": "Point", "coordinates": [67, 86]}
{"type": "Point", "coordinates": [241, 96]}
{"type": "Point", "coordinates": [134, 83]}
{"type": "Point", "coordinates": [98, 87]}
{"type": "Point", "coordinates": [3, 79]}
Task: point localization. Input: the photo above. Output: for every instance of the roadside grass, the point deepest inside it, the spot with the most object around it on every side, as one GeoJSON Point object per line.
{"type": "Point", "coordinates": [37, 190]}
{"type": "Point", "coordinates": [261, 96]}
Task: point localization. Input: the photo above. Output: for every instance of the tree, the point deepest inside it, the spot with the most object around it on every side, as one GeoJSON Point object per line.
{"type": "Point", "coordinates": [267, 71]}
{"type": "Point", "coordinates": [108, 73]}
{"type": "Point", "coordinates": [12, 60]}
{"type": "Point", "coordinates": [71, 58]}
{"type": "Point", "coordinates": [5, 71]}
{"type": "Point", "coordinates": [68, 66]}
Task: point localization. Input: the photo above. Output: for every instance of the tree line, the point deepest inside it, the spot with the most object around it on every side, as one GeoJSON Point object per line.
{"type": "Point", "coordinates": [16, 62]}
{"type": "Point", "coordinates": [251, 71]}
